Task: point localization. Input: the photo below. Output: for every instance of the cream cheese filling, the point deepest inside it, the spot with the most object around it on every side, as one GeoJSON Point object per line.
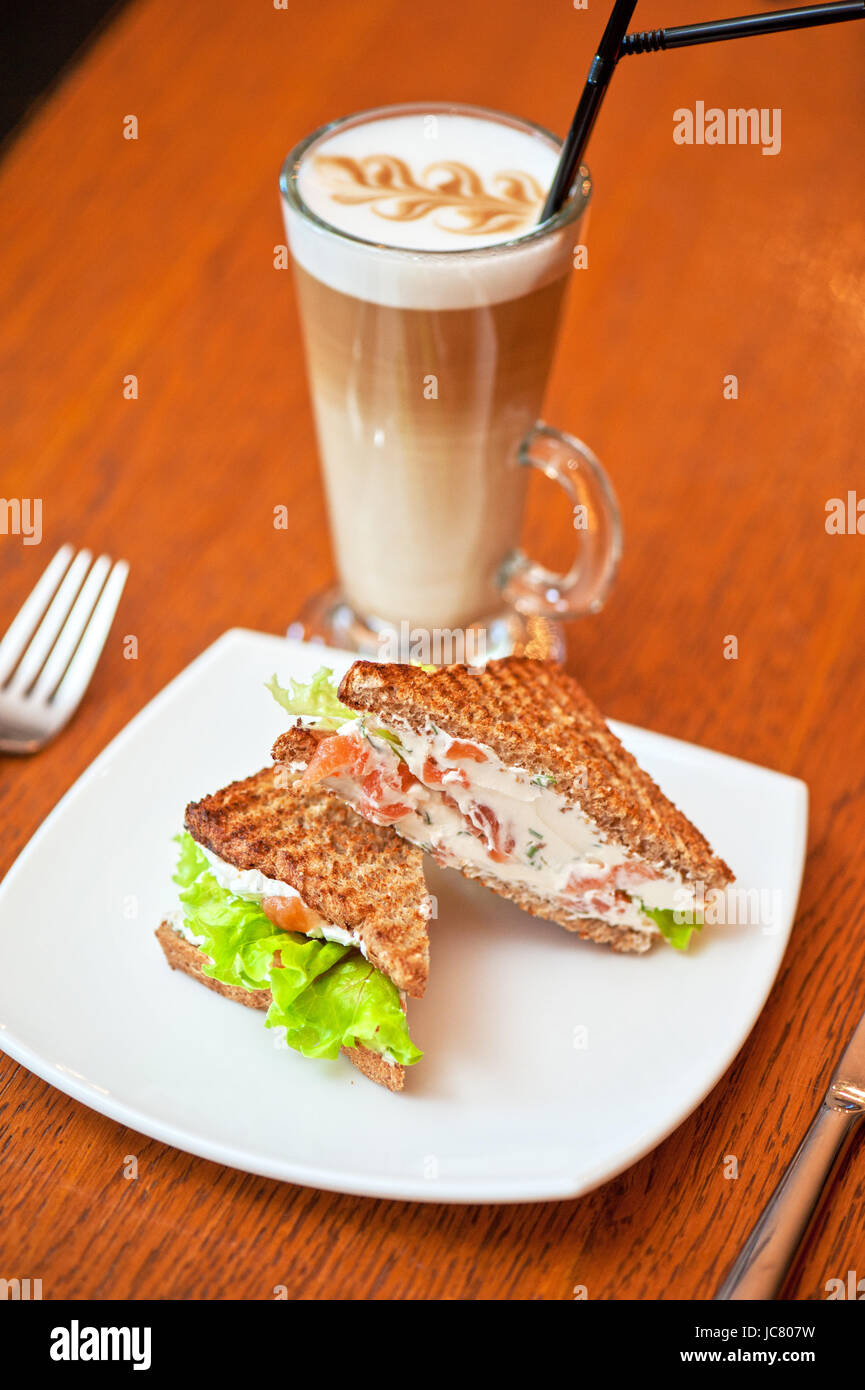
{"type": "Point", "coordinates": [556, 848]}
{"type": "Point", "coordinates": [178, 923]}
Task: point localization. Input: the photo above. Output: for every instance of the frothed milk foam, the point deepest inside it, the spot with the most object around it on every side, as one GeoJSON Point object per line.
{"type": "Point", "coordinates": [429, 344]}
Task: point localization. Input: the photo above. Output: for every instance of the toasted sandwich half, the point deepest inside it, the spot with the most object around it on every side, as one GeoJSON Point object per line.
{"type": "Point", "coordinates": [510, 775]}
{"type": "Point", "coordinates": [294, 904]}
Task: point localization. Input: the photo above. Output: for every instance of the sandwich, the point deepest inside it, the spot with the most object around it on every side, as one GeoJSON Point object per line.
{"type": "Point", "coordinates": [510, 775]}
{"type": "Point", "coordinates": [292, 903]}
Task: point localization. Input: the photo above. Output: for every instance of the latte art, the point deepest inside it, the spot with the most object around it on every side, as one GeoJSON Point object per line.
{"type": "Point", "coordinates": [440, 181]}
{"type": "Point", "coordinates": [450, 192]}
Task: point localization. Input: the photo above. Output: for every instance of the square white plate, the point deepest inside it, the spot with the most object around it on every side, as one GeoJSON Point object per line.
{"type": "Point", "coordinates": [550, 1065]}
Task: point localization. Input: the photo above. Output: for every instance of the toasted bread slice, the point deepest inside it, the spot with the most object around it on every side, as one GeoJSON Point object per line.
{"type": "Point", "coordinates": [358, 876]}
{"type": "Point", "coordinates": [535, 716]}
{"type": "Point", "coordinates": [294, 749]}
{"type": "Point", "coordinates": [183, 955]}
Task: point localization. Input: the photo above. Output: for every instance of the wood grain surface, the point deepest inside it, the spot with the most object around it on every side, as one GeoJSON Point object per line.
{"type": "Point", "coordinates": [154, 257]}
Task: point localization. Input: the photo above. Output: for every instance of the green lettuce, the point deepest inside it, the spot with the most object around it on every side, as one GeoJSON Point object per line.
{"type": "Point", "coordinates": [677, 933]}
{"type": "Point", "coordinates": [237, 936]}
{"type": "Point", "coordinates": [317, 701]}
{"type": "Point", "coordinates": [320, 705]}
{"type": "Point", "coordinates": [352, 1003]}
{"type": "Point", "coordinates": [325, 995]}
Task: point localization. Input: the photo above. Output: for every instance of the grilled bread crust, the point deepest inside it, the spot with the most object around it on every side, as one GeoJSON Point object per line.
{"type": "Point", "coordinates": [297, 745]}
{"type": "Point", "coordinates": [358, 876]}
{"type": "Point", "coordinates": [537, 717]}
{"type": "Point", "coordinates": [183, 955]}
{"type": "Point", "coordinates": [294, 748]}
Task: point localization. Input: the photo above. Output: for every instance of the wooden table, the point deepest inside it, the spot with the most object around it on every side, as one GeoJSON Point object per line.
{"type": "Point", "coordinates": [154, 257]}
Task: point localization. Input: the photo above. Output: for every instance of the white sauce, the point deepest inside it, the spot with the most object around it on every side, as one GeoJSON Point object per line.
{"type": "Point", "coordinates": [178, 924]}
{"type": "Point", "coordinates": [555, 843]}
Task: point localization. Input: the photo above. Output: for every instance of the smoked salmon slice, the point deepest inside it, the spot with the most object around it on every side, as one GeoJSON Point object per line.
{"type": "Point", "coordinates": [341, 755]}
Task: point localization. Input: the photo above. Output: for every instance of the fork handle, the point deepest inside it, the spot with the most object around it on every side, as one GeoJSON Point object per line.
{"type": "Point", "coordinates": [765, 1259]}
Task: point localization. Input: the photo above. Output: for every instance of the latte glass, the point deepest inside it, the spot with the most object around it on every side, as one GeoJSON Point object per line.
{"type": "Point", "coordinates": [427, 371]}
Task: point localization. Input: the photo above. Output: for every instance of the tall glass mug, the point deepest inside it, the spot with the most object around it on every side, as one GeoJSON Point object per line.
{"type": "Point", "coordinates": [430, 303]}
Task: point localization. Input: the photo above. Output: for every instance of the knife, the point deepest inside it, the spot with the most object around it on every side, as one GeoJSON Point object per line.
{"type": "Point", "coordinates": [766, 1257]}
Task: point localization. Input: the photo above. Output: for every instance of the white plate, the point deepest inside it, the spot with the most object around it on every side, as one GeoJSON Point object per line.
{"type": "Point", "coordinates": [504, 1106]}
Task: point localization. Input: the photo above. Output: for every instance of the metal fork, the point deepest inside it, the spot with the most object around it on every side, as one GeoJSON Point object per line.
{"type": "Point", "coordinates": [52, 647]}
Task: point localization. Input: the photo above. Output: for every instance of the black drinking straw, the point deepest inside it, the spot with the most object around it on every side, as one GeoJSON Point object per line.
{"type": "Point", "coordinates": [684, 35]}
{"type": "Point", "coordinates": [602, 68]}
{"type": "Point", "coordinates": [652, 41]}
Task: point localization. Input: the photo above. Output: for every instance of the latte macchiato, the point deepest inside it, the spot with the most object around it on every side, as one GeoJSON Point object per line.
{"type": "Point", "coordinates": [430, 304]}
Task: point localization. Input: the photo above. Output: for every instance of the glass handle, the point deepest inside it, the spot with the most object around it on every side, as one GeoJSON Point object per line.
{"type": "Point", "coordinates": [531, 588]}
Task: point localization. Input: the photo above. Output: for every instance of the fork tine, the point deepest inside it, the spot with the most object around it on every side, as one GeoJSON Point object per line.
{"type": "Point", "coordinates": [48, 630]}
{"type": "Point", "coordinates": [83, 663]}
{"type": "Point", "coordinates": [23, 625]}
{"type": "Point", "coordinates": [72, 630]}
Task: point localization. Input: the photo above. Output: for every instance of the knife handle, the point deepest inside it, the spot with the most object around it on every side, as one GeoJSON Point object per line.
{"type": "Point", "coordinates": [762, 1265]}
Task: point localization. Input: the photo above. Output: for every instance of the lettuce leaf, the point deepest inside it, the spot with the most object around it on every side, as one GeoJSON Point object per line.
{"type": "Point", "coordinates": [191, 861]}
{"type": "Point", "coordinates": [325, 995]}
{"type": "Point", "coordinates": [237, 936]}
{"type": "Point", "coordinates": [677, 933]}
{"type": "Point", "coordinates": [319, 704]}
{"type": "Point", "coordinates": [317, 701]}
{"type": "Point", "coordinates": [352, 1003]}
